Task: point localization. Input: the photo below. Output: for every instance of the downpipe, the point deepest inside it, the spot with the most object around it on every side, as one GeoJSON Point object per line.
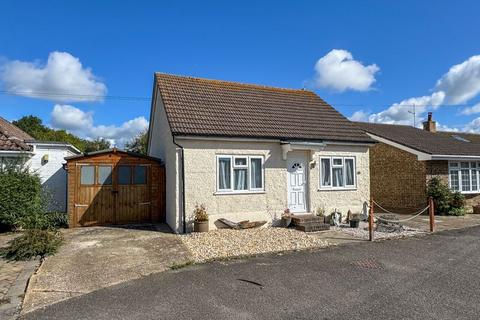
{"type": "Point", "coordinates": [184, 216]}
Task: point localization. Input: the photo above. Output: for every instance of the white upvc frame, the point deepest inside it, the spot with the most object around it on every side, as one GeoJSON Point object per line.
{"type": "Point", "coordinates": [343, 166]}
{"type": "Point", "coordinates": [458, 171]}
{"type": "Point", "coordinates": [233, 166]}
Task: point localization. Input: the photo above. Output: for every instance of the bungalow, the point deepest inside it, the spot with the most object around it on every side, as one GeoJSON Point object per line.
{"type": "Point", "coordinates": [248, 151]}
{"type": "Point", "coordinates": [43, 157]}
{"type": "Point", "coordinates": [406, 158]}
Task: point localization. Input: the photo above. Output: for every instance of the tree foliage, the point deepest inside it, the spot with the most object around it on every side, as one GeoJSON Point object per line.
{"type": "Point", "coordinates": [138, 144]}
{"type": "Point", "coordinates": [96, 145]}
{"type": "Point", "coordinates": [446, 201]}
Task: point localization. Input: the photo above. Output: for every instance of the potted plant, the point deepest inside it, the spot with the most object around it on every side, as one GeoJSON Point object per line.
{"type": "Point", "coordinates": [200, 223]}
{"type": "Point", "coordinates": [354, 220]}
{"type": "Point", "coordinates": [286, 218]}
{"type": "Point", "coordinates": [320, 212]}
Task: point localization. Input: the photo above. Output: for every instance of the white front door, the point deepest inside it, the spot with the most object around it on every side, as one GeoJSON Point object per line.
{"type": "Point", "coordinates": [297, 182]}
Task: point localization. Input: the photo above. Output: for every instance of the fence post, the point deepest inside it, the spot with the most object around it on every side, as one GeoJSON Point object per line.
{"type": "Point", "coordinates": [431, 211]}
{"type": "Point", "coordinates": [370, 221]}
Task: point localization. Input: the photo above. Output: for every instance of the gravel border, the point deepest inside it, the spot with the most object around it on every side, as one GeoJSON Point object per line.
{"type": "Point", "coordinates": [362, 232]}
{"type": "Point", "coordinates": [228, 243]}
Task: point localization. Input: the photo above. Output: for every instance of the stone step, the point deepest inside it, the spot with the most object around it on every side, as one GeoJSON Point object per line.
{"type": "Point", "coordinates": [298, 220]}
{"type": "Point", "coordinates": [313, 226]}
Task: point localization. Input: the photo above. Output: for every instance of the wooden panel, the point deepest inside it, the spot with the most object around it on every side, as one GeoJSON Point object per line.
{"type": "Point", "coordinates": [115, 204]}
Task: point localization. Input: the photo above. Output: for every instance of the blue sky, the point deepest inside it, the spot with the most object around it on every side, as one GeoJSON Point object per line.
{"type": "Point", "coordinates": [385, 52]}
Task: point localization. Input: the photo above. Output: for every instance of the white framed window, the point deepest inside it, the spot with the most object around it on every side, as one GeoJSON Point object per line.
{"type": "Point", "coordinates": [463, 176]}
{"type": "Point", "coordinates": [240, 174]}
{"type": "Point", "coordinates": [337, 173]}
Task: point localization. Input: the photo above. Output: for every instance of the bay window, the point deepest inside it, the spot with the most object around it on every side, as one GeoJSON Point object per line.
{"type": "Point", "coordinates": [237, 174]}
{"type": "Point", "coordinates": [337, 173]}
{"type": "Point", "coordinates": [464, 176]}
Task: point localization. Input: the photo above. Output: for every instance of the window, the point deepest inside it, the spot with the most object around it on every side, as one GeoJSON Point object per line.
{"type": "Point", "coordinates": [464, 176]}
{"type": "Point", "coordinates": [124, 175]}
{"type": "Point", "coordinates": [337, 173]}
{"type": "Point", "coordinates": [87, 175]}
{"type": "Point", "coordinates": [140, 175]}
{"type": "Point", "coordinates": [238, 174]}
{"type": "Point", "coordinates": [105, 175]}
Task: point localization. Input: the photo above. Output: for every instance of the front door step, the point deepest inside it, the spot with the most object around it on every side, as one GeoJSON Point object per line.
{"type": "Point", "coordinates": [309, 223]}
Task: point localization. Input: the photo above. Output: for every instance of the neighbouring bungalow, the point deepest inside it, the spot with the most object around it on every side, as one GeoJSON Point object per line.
{"type": "Point", "coordinates": [42, 157]}
{"type": "Point", "coordinates": [248, 151]}
{"type": "Point", "coordinates": [406, 158]}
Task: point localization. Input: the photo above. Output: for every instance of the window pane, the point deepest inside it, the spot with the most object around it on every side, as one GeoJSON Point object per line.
{"type": "Point", "coordinates": [124, 175]}
{"type": "Point", "coordinates": [325, 173]}
{"type": "Point", "coordinates": [87, 175]}
{"type": "Point", "coordinates": [224, 173]}
{"type": "Point", "coordinates": [140, 176]}
{"type": "Point", "coordinates": [256, 173]}
{"type": "Point", "coordinates": [105, 175]}
{"type": "Point", "coordinates": [240, 161]}
{"type": "Point", "coordinates": [454, 182]}
{"type": "Point", "coordinates": [240, 179]}
{"type": "Point", "coordinates": [466, 180]}
{"type": "Point", "coordinates": [464, 164]}
{"type": "Point", "coordinates": [454, 164]}
{"type": "Point", "coordinates": [337, 162]}
{"type": "Point", "coordinates": [474, 180]}
{"type": "Point", "coordinates": [337, 177]}
{"type": "Point", "coordinates": [349, 172]}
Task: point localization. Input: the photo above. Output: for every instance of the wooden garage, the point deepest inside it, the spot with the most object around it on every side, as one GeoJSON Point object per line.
{"type": "Point", "coordinates": [115, 187]}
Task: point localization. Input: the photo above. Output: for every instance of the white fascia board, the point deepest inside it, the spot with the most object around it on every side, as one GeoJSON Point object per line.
{"type": "Point", "coordinates": [339, 143]}
{"type": "Point", "coordinates": [15, 153]}
{"type": "Point", "coordinates": [454, 157]}
{"type": "Point", "coordinates": [47, 144]}
{"type": "Point", "coordinates": [421, 156]}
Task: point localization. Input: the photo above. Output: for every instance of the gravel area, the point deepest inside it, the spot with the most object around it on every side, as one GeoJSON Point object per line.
{"type": "Point", "coordinates": [226, 243]}
{"type": "Point", "coordinates": [362, 232]}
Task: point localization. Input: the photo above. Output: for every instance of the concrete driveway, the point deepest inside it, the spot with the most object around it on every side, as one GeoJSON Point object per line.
{"type": "Point", "coordinates": [98, 257]}
{"type": "Point", "coordinates": [429, 277]}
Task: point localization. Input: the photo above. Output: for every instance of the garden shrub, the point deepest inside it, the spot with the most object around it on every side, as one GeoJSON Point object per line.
{"type": "Point", "coordinates": [446, 201]}
{"type": "Point", "coordinates": [20, 195]}
{"type": "Point", "coordinates": [33, 243]}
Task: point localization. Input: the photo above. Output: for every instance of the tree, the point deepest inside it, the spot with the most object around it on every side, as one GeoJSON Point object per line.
{"type": "Point", "coordinates": [34, 126]}
{"type": "Point", "coordinates": [97, 145]}
{"type": "Point", "coordinates": [138, 144]}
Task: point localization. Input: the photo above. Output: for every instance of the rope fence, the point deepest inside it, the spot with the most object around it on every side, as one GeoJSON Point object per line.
{"type": "Point", "coordinates": [371, 218]}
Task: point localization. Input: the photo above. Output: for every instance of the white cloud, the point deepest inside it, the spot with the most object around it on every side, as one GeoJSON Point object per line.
{"type": "Point", "coordinates": [400, 113]}
{"type": "Point", "coordinates": [473, 126]}
{"type": "Point", "coordinates": [462, 81]}
{"type": "Point", "coordinates": [62, 79]}
{"type": "Point", "coordinates": [338, 70]}
{"type": "Point", "coordinates": [81, 123]}
{"type": "Point", "coordinates": [359, 115]}
{"type": "Point", "coordinates": [471, 110]}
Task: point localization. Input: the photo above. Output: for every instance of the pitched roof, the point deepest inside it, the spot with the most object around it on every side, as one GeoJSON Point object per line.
{"type": "Point", "coordinates": [439, 143]}
{"type": "Point", "coordinates": [206, 107]}
{"type": "Point", "coordinates": [12, 138]}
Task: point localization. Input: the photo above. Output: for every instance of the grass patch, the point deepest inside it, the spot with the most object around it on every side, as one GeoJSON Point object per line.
{"type": "Point", "coordinates": [177, 266]}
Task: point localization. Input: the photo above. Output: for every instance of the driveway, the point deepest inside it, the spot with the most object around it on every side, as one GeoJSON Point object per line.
{"type": "Point", "coordinates": [430, 277]}
{"type": "Point", "coordinates": [98, 257]}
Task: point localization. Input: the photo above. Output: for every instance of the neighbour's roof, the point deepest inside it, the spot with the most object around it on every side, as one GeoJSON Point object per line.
{"type": "Point", "coordinates": [439, 143]}
{"type": "Point", "coordinates": [12, 138]}
{"type": "Point", "coordinates": [204, 107]}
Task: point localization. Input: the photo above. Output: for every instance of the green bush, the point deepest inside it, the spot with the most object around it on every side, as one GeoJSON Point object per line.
{"type": "Point", "coordinates": [33, 243]}
{"type": "Point", "coordinates": [457, 212]}
{"type": "Point", "coordinates": [20, 194]}
{"type": "Point", "coordinates": [446, 201]}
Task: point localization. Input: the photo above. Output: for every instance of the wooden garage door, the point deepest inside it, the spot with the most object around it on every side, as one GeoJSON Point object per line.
{"type": "Point", "coordinates": [107, 194]}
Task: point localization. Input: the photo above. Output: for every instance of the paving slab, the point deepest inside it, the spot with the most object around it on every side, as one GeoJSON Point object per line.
{"type": "Point", "coordinates": [97, 257]}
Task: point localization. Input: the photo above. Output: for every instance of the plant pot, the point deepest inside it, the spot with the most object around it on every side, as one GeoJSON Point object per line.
{"type": "Point", "coordinates": [286, 221]}
{"type": "Point", "coordinates": [200, 226]}
{"type": "Point", "coordinates": [354, 223]}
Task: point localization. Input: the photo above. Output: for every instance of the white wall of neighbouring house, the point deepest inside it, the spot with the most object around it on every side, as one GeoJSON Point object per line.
{"type": "Point", "coordinates": [201, 181]}
{"type": "Point", "coordinates": [52, 174]}
{"type": "Point", "coordinates": [161, 146]}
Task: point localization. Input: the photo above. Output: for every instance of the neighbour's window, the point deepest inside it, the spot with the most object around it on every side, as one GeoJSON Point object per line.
{"type": "Point", "coordinates": [240, 173]}
{"type": "Point", "coordinates": [140, 175]}
{"type": "Point", "coordinates": [464, 176]}
{"type": "Point", "coordinates": [87, 175]}
{"type": "Point", "coordinates": [124, 175]}
{"type": "Point", "coordinates": [337, 173]}
{"type": "Point", "coordinates": [105, 175]}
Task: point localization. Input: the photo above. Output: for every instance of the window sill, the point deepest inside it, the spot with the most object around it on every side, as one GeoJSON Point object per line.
{"type": "Point", "coordinates": [221, 193]}
{"type": "Point", "coordinates": [338, 189]}
{"type": "Point", "coordinates": [468, 192]}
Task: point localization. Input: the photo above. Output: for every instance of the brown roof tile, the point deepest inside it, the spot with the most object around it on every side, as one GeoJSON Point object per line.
{"type": "Point", "coordinates": [206, 107]}
{"type": "Point", "coordinates": [12, 138]}
{"type": "Point", "coordinates": [440, 143]}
